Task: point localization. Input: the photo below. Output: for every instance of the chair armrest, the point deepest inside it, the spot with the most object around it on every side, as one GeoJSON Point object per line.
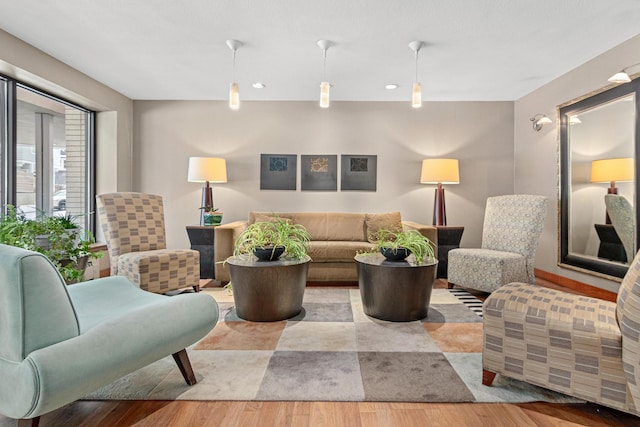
{"type": "Point", "coordinates": [429, 231]}
{"type": "Point", "coordinates": [226, 235]}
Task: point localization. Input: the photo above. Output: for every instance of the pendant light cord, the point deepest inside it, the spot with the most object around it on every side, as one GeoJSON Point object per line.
{"type": "Point", "coordinates": [416, 80]}
{"type": "Point", "coordinates": [233, 76]}
{"type": "Point", "coordinates": [324, 65]}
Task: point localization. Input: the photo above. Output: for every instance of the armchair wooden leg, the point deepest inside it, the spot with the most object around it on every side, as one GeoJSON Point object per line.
{"type": "Point", "coordinates": [196, 288]}
{"type": "Point", "coordinates": [450, 285]}
{"type": "Point", "coordinates": [182, 360]}
{"type": "Point", "coordinates": [29, 422]}
{"type": "Point", "coordinates": [487, 377]}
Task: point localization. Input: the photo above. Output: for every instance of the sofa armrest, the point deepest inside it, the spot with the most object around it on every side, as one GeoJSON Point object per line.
{"type": "Point", "coordinates": [226, 235]}
{"type": "Point", "coordinates": [429, 231]}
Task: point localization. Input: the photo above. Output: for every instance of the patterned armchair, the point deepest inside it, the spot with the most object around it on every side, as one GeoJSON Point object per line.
{"type": "Point", "coordinates": [133, 225]}
{"type": "Point", "coordinates": [580, 346]}
{"type": "Point", "coordinates": [512, 227]}
{"type": "Point", "coordinates": [622, 217]}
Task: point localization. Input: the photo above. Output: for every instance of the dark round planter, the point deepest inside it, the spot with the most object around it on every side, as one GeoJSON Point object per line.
{"type": "Point", "coordinates": [268, 253]}
{"type": "Point", "coordinates": [398, 254]}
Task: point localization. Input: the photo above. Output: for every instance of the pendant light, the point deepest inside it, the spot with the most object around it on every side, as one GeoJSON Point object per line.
{"type": "Point", "coordinates": [234, 93]}
{"type": "Point", "coordinates": [416, 92]}
{"type": "Point", "coordinates": [324, 85]}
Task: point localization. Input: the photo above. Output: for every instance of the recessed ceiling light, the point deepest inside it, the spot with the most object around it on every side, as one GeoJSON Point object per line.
{"type": "Point", "coordinates": [259, 85]}
{"type": "Point", "coordinates": [391, 86]}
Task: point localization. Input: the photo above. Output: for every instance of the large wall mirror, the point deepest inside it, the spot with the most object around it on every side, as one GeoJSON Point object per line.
{"type": "Point", "coordinates": [599, 139]}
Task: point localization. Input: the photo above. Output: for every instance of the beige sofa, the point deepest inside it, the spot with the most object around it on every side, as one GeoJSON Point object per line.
{"type": "Point", "coordinates": [335, 239]}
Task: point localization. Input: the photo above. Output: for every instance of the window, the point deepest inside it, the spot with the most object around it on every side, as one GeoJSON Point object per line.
{"type": "Point", "coordinates": [47, 154]}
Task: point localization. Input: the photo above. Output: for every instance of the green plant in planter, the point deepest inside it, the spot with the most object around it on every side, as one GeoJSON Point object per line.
{"type": "Point", "coordinates": [57, 237]}
{"type": "Point", "coordinates": [412, 240]}
{"type": "Point", "coordinates": [272, 234]}
{"type": "Point", "coordinates": [211, 215]}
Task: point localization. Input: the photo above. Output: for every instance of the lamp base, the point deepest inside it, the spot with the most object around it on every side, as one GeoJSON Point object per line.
{"type": "Point", "coordinates": [611, 190]}
{"type": "Point", "coordinates": [439, 210]}
{"type": "Point", "coordinates": [207, 201]}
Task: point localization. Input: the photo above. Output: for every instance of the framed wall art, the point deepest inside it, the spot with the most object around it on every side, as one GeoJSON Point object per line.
{"type": "Point", "coordinates": [278, 171]}
{"type": "Point", "coordinates": [319, 172]}
{"type": "Point", "coordinates": [358, 172]}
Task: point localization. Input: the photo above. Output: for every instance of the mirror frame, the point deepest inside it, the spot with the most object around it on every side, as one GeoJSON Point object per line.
{"type": "Point", "coordinates": [586, 264]}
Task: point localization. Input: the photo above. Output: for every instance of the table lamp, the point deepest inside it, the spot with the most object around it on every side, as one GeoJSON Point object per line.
{"type": "Point", "coordinates": [207, 170]}
{"type": "Point", "coordinates": [439, 171]}
{"type": "Point", "coordinates": [612, 170]}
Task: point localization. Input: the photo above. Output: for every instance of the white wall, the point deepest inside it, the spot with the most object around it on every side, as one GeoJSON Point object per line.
{"type": "Point", "coordinates": [114, 119]}
{"type": "Point", "coordinates": [479, 134]}
{"type": "Point", "coordinates": [537, 153]}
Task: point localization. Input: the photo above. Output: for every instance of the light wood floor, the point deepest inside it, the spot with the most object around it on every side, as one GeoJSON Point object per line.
{"type": "Point", "coordinates": [301, 414]}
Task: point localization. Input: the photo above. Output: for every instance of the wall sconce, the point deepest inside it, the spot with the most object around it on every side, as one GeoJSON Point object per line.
{"type": "Point", "coordinates": [207, 170]}
{"type": "Point", "coordinates": [234, 93]}
{"type": "Point", "coordinates": [540, 120]}
{"type": "Point", "coordinates": [439, 171]}
{"type": "Point", "coordinates": [622, 76]}
{"type": "Point", "coordinates": [574, 120]}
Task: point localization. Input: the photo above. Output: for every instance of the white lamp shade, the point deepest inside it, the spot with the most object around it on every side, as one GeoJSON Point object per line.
{"type": "Point", "coordinates": [324, 94]}
{"type": "Point", "coordinates": [234, 96]}
{"type": "Point", "coordinates": [203, 169]}
{"type": "Point", "coordinates": [607, 170]}
{"type": "Point", "coordinates": [416, 95]}
{"type": "Point", "coordinates": [444, 171]}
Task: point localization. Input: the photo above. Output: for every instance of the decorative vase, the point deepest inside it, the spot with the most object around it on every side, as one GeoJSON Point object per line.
{"type": "Point", "coordinates": [217, 218]}
{"type": "Point", "coordinates": [398, 254]}
{"type": "Point", "coordinates": [268, 253]}
{"type": "Point", "coordinates": [211, 218]}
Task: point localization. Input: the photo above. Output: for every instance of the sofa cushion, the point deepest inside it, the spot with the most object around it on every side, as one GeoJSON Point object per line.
{"type": "Point", "coordinates": [323, 225]}
{"type": "Point", "coordinates": [377, 221]}
{"type": "Point", "coordinates": [336, 251]}
{"type": "Point", "coordinates": [266, 217]}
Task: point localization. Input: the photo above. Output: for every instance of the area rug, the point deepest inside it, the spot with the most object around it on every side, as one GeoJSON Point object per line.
{"type": "Point", "coordinates": [332, 351]}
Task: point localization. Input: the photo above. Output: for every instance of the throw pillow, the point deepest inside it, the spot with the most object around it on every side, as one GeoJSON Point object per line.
{"type": "Point", "coordinates": [270, 218]}
{"type": "Point", "coordinates": [390, 221]}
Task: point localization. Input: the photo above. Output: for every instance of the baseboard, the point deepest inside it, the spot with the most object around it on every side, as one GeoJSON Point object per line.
{"type": "Point", "coordinates": [580, 287]}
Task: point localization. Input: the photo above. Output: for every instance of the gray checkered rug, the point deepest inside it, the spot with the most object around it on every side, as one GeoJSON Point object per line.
{"type": "Point", "coordinates": [332, 351]}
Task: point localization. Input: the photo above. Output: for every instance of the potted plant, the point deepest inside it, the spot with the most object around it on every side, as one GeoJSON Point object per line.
{"type": "Point", "coordinates": [57, 237]}
{"type": "Point", "coordinates": [211, 216]}
{"type": "Point", "coordinates": [267, 240]}
{"type": "Point", "coordinates": [397, 245]}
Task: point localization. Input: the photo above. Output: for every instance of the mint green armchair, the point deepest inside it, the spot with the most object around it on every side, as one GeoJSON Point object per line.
{"type": "Point", "coordinates": [58, 343]}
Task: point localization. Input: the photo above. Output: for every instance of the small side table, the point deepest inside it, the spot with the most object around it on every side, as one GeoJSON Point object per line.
{"type": "Point", "coordinates": [201, 238]}
{"type": "Point", "coordinates": [398, 291]}
{"type": "Point", "coordinates": [268, 291]}
{"type": "Point", "coordinates": [448, 238]}
{"type": "Point", "coordinates": [611, 246]}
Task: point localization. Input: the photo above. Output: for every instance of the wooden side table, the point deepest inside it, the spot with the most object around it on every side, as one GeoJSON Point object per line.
{"type": "Point", "coordinates": [201, 238]}
{"type": "Point", "coordinates": [448, 238]}
{"type": "Point", "coordinates": [398, 291]}
{"type": "Point", "coordinates": [267, 291]}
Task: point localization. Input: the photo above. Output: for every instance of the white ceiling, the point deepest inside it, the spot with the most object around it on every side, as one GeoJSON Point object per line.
{"type": "Point", "coordinates": [172, 49]}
